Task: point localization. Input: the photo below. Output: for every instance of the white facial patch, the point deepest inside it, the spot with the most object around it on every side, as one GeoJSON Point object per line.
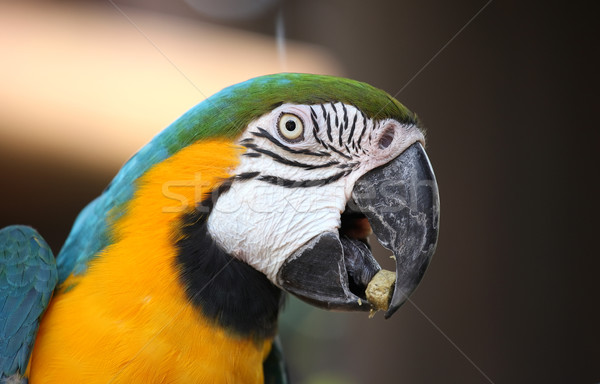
{"type": "Point", "coordinates": [296, 176]}
{"type": "Point", "coordinates": [263, 225]}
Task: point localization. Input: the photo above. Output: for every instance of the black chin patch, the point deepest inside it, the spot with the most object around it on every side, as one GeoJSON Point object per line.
{"type": "Point", "coordinates": [225, 290]}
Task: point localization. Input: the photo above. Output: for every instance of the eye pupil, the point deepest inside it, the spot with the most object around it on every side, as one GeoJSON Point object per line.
{"type": "Point", "coordinates": [290, 125]}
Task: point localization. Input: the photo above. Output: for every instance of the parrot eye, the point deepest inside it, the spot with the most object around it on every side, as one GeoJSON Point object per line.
{"type": "Point", "coordinates": [290, 127]}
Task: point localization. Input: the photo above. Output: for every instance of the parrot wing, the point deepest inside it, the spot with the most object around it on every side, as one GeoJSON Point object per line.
{"type": "Point", "coordinates": [27, 278]}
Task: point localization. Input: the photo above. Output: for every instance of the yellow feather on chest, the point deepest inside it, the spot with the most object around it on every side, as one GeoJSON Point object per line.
{"type": "Point", "coordinates": [127, 319]}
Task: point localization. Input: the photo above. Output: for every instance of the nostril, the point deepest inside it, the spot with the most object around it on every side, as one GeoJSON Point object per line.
{"type": "Point", "coordinates": [386, 139]}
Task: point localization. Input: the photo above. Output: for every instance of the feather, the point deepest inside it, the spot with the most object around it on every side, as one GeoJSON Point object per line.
{"type": "Point", "coordinates": [27, 278]}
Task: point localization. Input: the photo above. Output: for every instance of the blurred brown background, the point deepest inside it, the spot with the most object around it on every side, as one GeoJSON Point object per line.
{"type": "Point", "coordinates": [507, 91]}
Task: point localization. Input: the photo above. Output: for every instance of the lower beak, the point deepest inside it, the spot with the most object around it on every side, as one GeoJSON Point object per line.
{"type": "Point", "coordinates": [401, 202]}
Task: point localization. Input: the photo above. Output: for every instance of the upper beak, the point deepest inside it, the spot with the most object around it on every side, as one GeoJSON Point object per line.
{"type": "Point", "coordinates": [401, 202]}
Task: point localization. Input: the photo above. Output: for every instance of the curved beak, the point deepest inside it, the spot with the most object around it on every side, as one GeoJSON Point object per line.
{"type": "Point", "coordinates": [400, 200]}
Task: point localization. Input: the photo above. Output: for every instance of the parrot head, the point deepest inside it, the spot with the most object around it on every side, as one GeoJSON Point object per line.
{"type": "Point", "coordinates": [325, 162]}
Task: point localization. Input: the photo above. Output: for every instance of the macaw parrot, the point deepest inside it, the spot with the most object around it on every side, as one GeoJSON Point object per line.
{"type": "Point", "coordinates": [176, 273]}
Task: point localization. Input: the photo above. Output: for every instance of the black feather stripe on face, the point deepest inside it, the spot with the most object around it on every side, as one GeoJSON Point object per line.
{"type": "Point", "coordinates": [293, 163]}
{"type": "Point", "coordinates": [263, 133]}
{"type": "Point", "coordinates": [287, 183]}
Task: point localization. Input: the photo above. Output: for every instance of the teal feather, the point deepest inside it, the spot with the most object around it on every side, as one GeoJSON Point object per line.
{"type": "Point", "coordinates": [225, 114]}
{"type": "Point", "coordinates": [27, 279]}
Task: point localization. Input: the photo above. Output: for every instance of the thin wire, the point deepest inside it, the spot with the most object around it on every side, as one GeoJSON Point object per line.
{"type": "Point", "coordinates": [450, 340]}
{"type": "Point", "coordinates": [156, 47]}
{"type": "Point", "coordinates": [207, 99]}
{"type": "Point", "coordinates": [443, 48]}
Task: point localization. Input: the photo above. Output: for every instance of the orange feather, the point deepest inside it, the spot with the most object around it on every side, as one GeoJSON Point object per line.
{"type": "Point", "coordinates": [127, 319]}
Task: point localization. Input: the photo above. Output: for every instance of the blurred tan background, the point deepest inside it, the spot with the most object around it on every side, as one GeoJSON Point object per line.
{"type": "Point", "coordinates": [506, 90]}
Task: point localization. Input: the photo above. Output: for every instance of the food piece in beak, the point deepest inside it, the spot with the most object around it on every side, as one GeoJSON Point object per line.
{"type": "Point", "coordinates": [380, 290]}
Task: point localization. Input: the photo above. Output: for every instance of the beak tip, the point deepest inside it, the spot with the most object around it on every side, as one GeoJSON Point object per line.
{"type": "Point", "coordinates": [390, 312]}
